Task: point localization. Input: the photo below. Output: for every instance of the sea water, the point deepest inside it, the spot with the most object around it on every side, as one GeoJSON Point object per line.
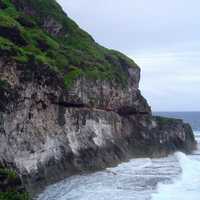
{"type": "Point", "coordinates": [187, 185]}
{"type": "Point", "coordinates": [176, 177]}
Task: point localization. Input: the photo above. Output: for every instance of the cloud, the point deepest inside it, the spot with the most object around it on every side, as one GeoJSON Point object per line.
{"type": "Point", "coordinates": [161, 36]}
{"type": "Point", "coordinates": [171, 81]}
{"type": "Point", "coordinates": [135, 25]}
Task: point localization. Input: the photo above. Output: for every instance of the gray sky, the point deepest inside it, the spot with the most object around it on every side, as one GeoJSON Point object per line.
{"type": "Point", "coordinates": [163, 37]}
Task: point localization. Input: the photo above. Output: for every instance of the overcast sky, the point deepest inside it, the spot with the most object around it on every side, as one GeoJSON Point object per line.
{"type": "Point", "coordinates": [163, 37]}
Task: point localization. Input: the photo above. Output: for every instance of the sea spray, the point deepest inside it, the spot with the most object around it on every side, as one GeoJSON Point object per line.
{"type": "Point", "coordinates": [187, 186]}
{"type": "Point", "coordinates": [135, 180]}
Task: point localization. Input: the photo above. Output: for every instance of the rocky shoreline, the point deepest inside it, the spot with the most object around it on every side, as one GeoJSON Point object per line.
{"type": "Point", "coordinates": [45, 129]}
{"type": "Point", "coordinates": [76, 114]}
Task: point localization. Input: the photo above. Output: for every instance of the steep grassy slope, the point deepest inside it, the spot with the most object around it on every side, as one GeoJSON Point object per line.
{"type": "Point", "coordinates": [39, 31]}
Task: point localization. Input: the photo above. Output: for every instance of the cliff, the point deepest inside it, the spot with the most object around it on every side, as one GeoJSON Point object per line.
{"type": "Point", "coordinates": [69, 105]}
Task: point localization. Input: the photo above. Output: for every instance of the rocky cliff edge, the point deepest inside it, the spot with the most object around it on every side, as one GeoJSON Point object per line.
{"type": "Point", "coordinates": [69, 105]}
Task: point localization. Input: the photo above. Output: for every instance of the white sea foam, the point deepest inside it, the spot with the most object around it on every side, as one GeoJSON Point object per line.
{"type": "Point", "coordinates": [135, 180]}
{"type": "Point", "coordinates": [176, 177]}
{"type": "Point", "coordinates": [197, 134]}
{"type": "Point", "coordinates": [187, 186]}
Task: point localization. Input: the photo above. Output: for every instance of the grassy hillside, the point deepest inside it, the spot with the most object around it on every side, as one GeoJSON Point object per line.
{"type": "Point", "coordinates": [39, 31]}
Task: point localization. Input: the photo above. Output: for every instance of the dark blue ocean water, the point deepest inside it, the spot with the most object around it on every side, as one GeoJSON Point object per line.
{"type": "Point", "coordinates": [193, 118]}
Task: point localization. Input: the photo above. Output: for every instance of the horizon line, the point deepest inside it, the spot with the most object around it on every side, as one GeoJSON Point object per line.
{"type": "Point", "coordinates": [176, 111]}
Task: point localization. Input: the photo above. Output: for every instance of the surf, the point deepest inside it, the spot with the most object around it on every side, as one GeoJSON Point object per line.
{"type": "Point", "coordinates": [187, 185]}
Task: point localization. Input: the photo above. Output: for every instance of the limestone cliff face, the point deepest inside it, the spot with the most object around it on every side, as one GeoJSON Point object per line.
{"type": "Point", "coordinates": [69, 105]}
{"type": "Point", "coordinates": [108, 95]}
{"type": "Point", "coordinates": [48, 132]}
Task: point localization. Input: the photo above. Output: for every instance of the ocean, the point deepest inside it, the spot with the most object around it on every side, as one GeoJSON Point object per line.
{"type": "Point", "coordinates": [176, 177]}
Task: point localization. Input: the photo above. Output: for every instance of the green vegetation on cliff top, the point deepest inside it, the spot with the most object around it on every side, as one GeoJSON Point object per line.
{"type": "Point", "coordinates": [39, 30]}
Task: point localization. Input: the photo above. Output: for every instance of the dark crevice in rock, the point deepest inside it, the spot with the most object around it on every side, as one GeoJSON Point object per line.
{"type": "Point", "coordinates": [121, 112]}
{"type": "Point", "coordinates": [126, 112]}
{"type": "Point", "coordinates": [70, 105]}
{"type": "Point", "coordinates": [13, 34]}
{"type": "Point", "coordinates": [61, 113]}
{"type": "Point", "coordinates": [3, 5]}
{"type": "Point", "coordinates": [26, 22]}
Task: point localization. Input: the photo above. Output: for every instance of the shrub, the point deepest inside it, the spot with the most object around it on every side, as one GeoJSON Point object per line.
{"type": "Point", "coordinates": [72, 75]}
{"type": "Point", "coordinates": [14, 195]}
